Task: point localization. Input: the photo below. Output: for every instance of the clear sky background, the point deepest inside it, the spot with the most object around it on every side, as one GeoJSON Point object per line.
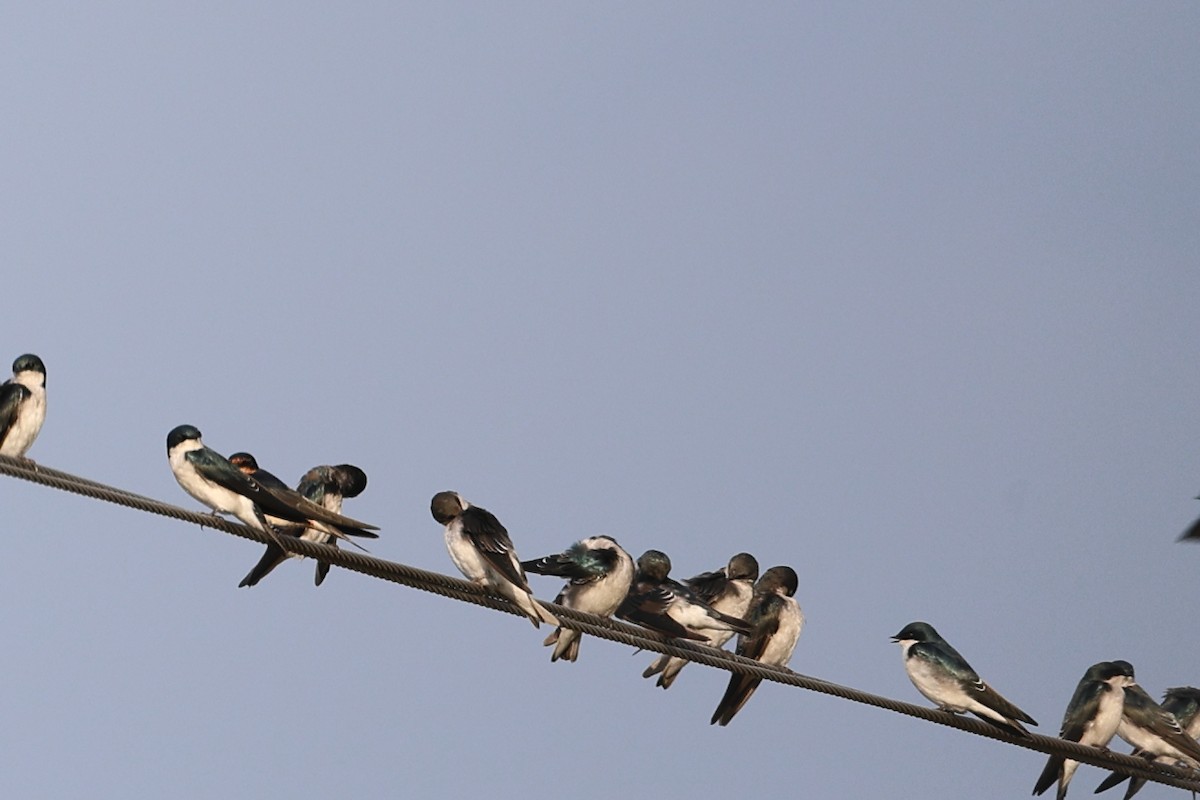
{"type": "Point", "coordinates": [903, 296]}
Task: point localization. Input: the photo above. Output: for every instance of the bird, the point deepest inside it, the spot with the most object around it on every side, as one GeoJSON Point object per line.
{"type": "Point", "coordinates": [1184, 703]}
{"type": "Point", "coordinates": [598, 573]}
{"type": "Point", "coordinates": [324, 485]}
{"type": "Point", "coordinates": [1193, 531]}
{"type": "Point", "coordinates": [1156, 732]}
{"type": "Point", "coordinates": [479, 546]}
{"type": "Point", "coordinates": [728, 590]}
{"type": "Point", "coordinates": [670, 608]}
{"type": "Point", "coordinates": [1091, 718]}
{"type": "Point", "coordinates": [22, 406]}
{"type": "Point", "coordinates": [777, 621]}
{"type": "Point", "coordinates": [209, 477]}
{"type": "Point", "coordinates": [941, 674]}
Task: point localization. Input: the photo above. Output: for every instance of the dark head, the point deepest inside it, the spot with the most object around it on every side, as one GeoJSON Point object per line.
{"type": "Point", "coordinates": [1117, 673]}
{"type": "Point", "coordinates": [917, 632]}
{"type": "Point", "coordinates": [1123, 669]}
{"type": "Point", "coordinates": [30, 363]}
{"type": "Point", "coordinates": [742, 566]}
{"type": "Point", "coordinates": [1188, 694]}
{"type": "Point", "coordinates": [446, 506]}
{"type": "Point", "coordinates": [781, 580]}
{"type": "Point", "coordinates": [1183, 702]}
{"type": "Point", "coordinates": [350, 480]}
{"type": "Point", "coordinates": [181, 434]}
{"type": "Point", "coordinates": [245, 462]}
{"type": "Point", "coordinates": [654, 564]}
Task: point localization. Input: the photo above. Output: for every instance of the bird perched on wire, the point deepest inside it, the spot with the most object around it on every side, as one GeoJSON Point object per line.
{"type": "Point", "coordinates": [324, 485]}
{"type": "Point", "coordinates": [727, 590]}
{"type": "Point", "coordinates": [777, 622]}
{"type": "Point", "coordinates": [598, 573]}
{"type": "Point", "coordinates": [209, 477]}
{"type": "Point", "coordinates": [668, 607]}
{"type": "Point", "coordinates": [479, 546]}
{"type": "Point", "coordinates": [941, 674]}
{"type": "Point", "coordinates": [22, 406]}
{"type": "Point", "coordinates": [1091, 718]}
{"type": "Point", "coordinates": [1166, 733]}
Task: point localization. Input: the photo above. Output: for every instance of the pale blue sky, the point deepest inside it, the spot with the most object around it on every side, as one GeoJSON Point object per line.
{"type": "Point", "coordinates": [903, 296]}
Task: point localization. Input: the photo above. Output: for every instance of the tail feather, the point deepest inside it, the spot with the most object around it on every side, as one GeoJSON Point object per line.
{"type": "Point", "coordinates": [1112, 780]}
{"type": "Point", "coordinates": [1008, 725]}
{"type": "Point", "coordinates": [525, 601]}
{"type": "Point", "coordinates": [668, 677]}
{"type": "Point", "coordinates": [1135, 786]}
{"type": "Point", "coordinates": [272, 558]}
{"type": "Point", "coordinates": [567, 647]}
{"type": "Point", "coordinates": [740, 688]}
{"type": "Point", "coordinates": [1049, 774]}
{"type": "Point", "coordinates": [656, 666]}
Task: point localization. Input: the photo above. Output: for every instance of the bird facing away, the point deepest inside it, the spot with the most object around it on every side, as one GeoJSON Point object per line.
{"type": "Point", "coordinates": [479, 546]}
{"type": "Point", "coordinates": [22, 406]}
{"type": "Point", "coordinates": [598, 573]}
{"type": "Point", "coordinates": [1091, 718]}
{"type": "Point", "coordinates": [1156, 732]}
{"type": "Point", "coordinates": [941, 674]}
{"type": "Point", "coordinates": [325, 486]}
{"type": "Point", "coordinates": [728, 590]}
{"type": "Point", "coordinates": [209, 477]}
{"type": "Point", "coordinates": [777, 622]}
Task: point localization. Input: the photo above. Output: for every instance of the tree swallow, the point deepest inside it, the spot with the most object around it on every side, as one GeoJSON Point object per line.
{"type": "Point", "coordinates": [668, 607]}
{"type": "Point", "coordinates": [941, 674]}
{"type": "Point", "coordinates": [22, 406]}
{"type": "Point", "coordinates": [209, 477]}
{"type": "Point", "coordinates": [324, 485]}
{"type": "Point", "coordinates": [598, 573]}
{"type": "Point", "coordinates": [1155, 733]}
{"type": "Point", "coordinates": [1091, 718]}
{"type": "Point", "coordinates": [777, 622]}
{"type": "Point", "coordinates": [728, 590]}
{"type": "Point", "coordinates": [1184, 703]}
{"type": "Point", "coordinates": [479, 546]}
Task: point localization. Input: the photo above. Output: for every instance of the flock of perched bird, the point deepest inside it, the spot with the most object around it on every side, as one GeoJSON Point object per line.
{"type": "Point", "coordinates": [603, 579]}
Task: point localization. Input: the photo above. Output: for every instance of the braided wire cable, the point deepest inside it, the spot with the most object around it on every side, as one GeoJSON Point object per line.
{"type": "Point", "coordinates": [600, 627]}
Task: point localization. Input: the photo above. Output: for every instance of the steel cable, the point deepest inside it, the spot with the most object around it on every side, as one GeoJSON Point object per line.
{"type": "Point", "coordinates": [599, 627]}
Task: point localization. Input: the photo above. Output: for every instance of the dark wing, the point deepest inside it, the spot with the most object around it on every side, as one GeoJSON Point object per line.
{"type": "Point", "coordinates": [1191, 533]}
{"type": "Point", "coordinates": [1082, 708]}
{"type": "Point", "coordinates": [993, 700]}
{"type": "Point", "coordinates": [647, 605]}
{"type": "Point", "coordinates": [267, 480]}
{"type": "Point", "coordinates": [687, 594]}
{"type": "Point", "coordinates": [1115, 778]}
{"type": "Point", "coordinates": [563, 565]}
{"type": "Point", "coordinates": [216, 468]}
{"type": "Point", "coordinates": [300, 505]}
{"type": "Point", "coordinates": [1049, 774]}
{"type": "Point", "coordinates": [736, 694]}
{"type": "Point", "coordinates": [764, 619]}
{"type": "Point", "coordinates": [708, 586]}
{"type": "Point", "coordinates": [491, 540]}
{"type": "Point", "coordinates": [11, 396]}
{"type": "Point", "coordinates": [271, 558]}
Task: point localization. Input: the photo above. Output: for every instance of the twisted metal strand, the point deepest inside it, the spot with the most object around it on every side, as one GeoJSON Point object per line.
{"type": "Point", "coordinates": [600, 627]}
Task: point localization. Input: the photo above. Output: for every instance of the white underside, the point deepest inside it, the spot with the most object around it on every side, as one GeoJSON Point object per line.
{"type": "Point", "coordinates": [215, 497]}
{"type": "Point", "coordinates": [28, 424]}
{"type": "Point", "coordinates": [791, 622]}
